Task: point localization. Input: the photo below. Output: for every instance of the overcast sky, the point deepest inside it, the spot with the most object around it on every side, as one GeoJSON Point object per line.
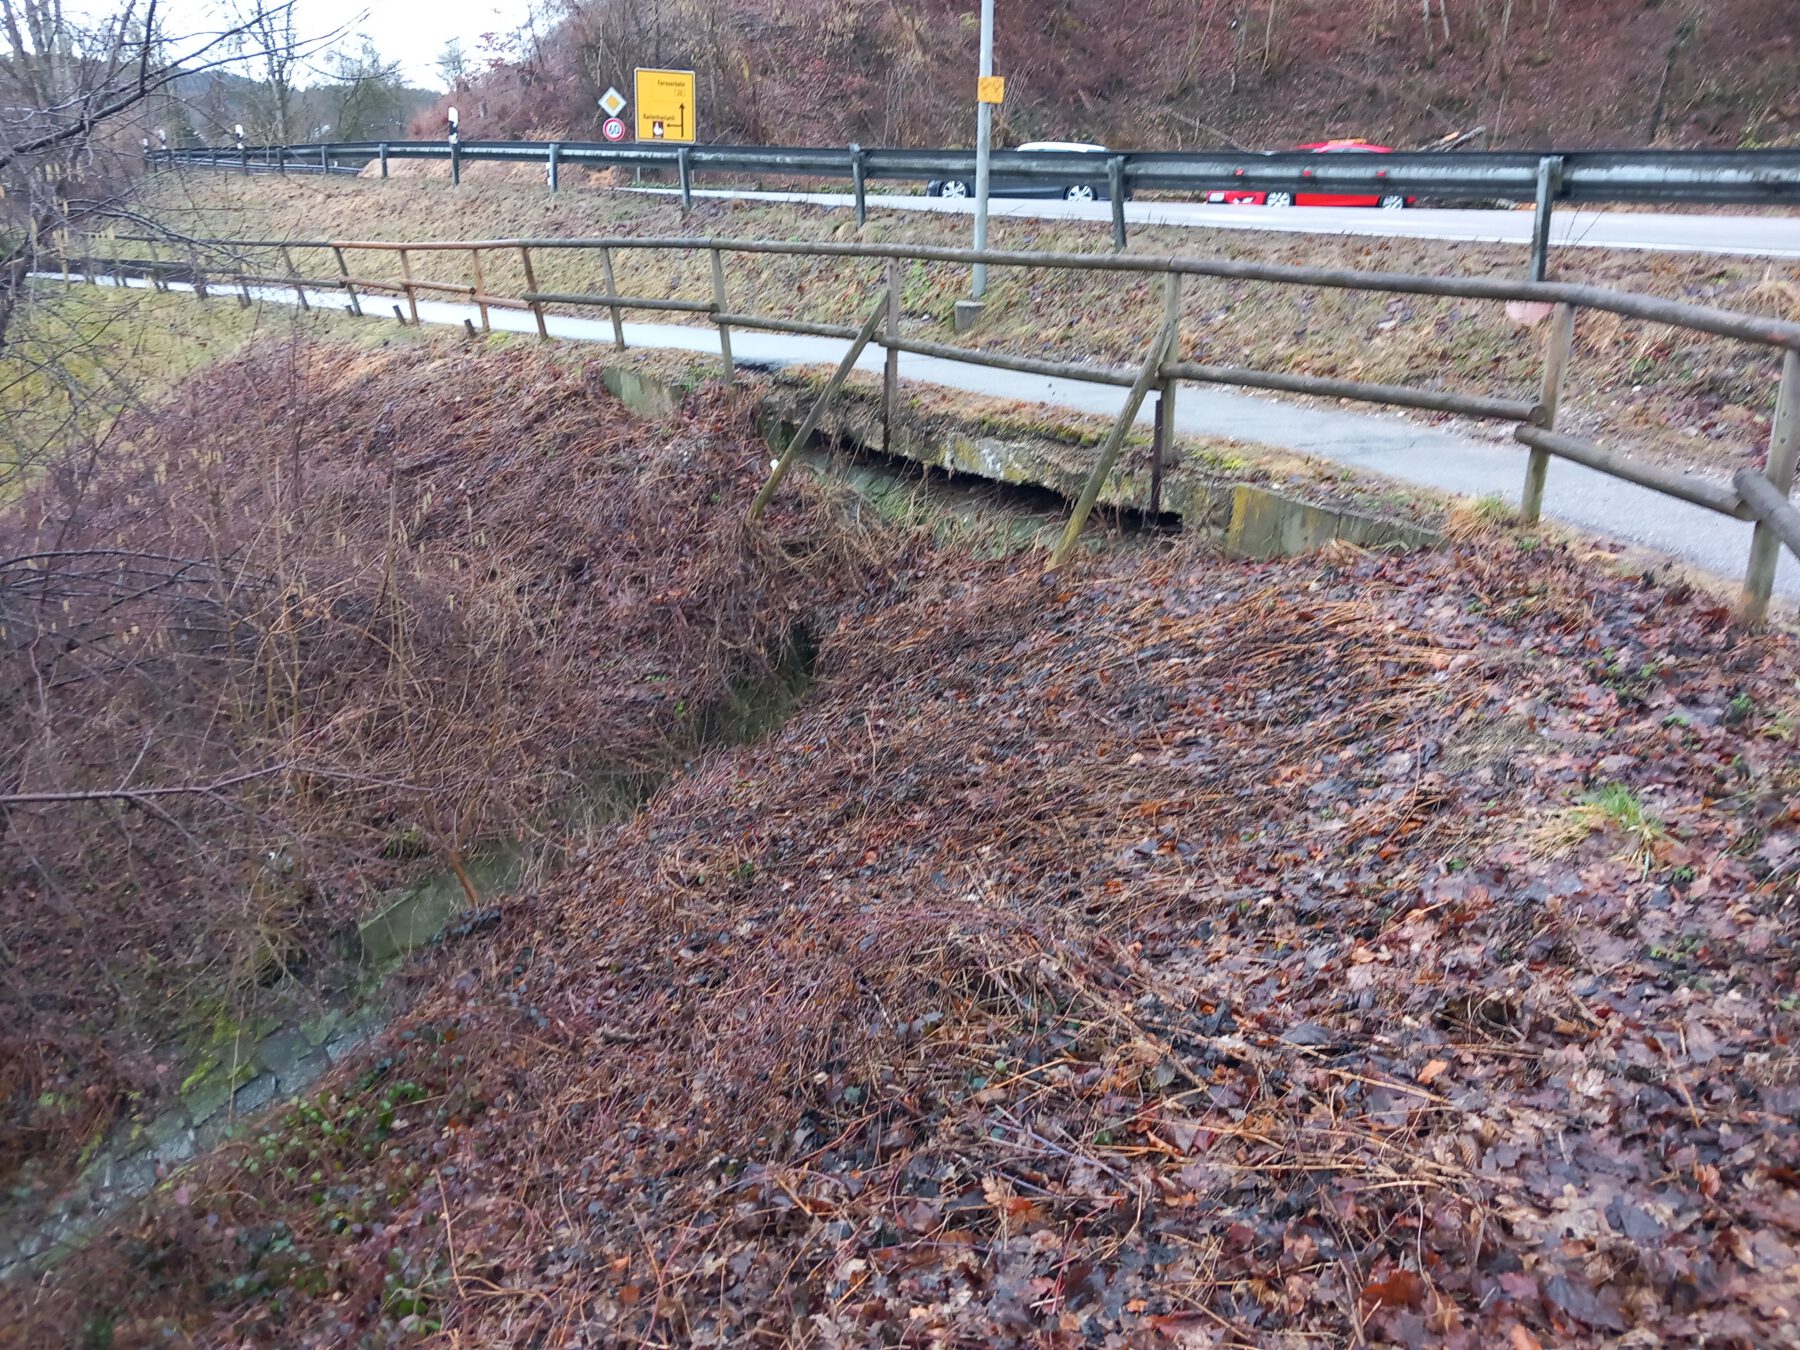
{"type": "Point", "coordinates": [411, 32]}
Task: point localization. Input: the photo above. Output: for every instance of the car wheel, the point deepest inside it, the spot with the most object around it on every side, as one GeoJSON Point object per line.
{"type": "Point", "coordinates": [954, 188]}
{"type": "Point", "coordinates": [1279, 199]}
{"type": "Point", "coordinates": [1393, 202]}
{"type": "Point", "coordinates": [1080, 192]}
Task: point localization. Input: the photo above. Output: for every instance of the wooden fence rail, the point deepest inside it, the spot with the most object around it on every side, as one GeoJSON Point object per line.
{"type": "Point", "coordinates": [1764, 500]}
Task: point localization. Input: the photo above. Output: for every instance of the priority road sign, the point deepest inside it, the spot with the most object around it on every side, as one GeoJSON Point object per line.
{"type": "Point", "coordinates": [665, 106]}
{"type": "Point", "coordinates": [612, 102]}
{"type": "Point", "coordinates": [613, 129]}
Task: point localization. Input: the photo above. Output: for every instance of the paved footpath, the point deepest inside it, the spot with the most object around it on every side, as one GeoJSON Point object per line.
{"type": "Point", "coordinates": [1379, 443]}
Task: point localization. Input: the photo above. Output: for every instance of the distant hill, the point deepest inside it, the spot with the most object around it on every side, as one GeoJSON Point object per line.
{"type": "Point", "coordinates": [1179, 73]}
{"type": "Point", "coordinates": [206, 107]}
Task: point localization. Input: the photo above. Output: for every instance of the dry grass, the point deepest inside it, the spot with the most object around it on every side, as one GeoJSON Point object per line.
{"type": "Point", "coordinates": [1681, 396]}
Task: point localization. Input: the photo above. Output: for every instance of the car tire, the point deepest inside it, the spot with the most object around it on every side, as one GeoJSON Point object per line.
{"type": "Point", "coordinates": [1279, 199]}
{"type": "Point", "coordinates": [955, 187]}
{"type": "Point", "coordinates": [1393, 201]}
{"type": "Point", "coordinates": [1078, 192]}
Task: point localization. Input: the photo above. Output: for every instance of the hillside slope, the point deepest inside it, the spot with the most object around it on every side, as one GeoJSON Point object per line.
{"type": "Point", "coordinates": [1180, 73]}
{"type": "Point", "coordinates": [1176, 951]}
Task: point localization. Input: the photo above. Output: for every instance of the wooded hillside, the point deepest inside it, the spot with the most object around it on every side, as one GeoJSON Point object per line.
{"type": "Point", "coordinates": [1177, 73]}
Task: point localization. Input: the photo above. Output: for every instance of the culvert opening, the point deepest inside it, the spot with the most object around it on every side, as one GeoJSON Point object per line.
{"type": "Point", "coordinates": [866, 466]}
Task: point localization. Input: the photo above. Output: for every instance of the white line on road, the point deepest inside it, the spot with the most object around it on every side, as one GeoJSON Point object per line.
{"type": "Point", "coordinates": [1578, 227]}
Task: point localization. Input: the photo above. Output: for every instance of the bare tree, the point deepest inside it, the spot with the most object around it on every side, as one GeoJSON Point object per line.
{"type": "Point", "coordinates": [77, 101]}
{"type": "Point", "coordinates": [365, 93]}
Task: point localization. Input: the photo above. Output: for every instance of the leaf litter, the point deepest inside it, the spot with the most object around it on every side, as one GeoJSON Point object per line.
{"type": "Point", "coordinates": [1160, 953]}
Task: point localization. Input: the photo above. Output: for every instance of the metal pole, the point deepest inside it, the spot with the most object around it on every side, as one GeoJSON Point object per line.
{"type": "Point", "coordinates": [1115, 185]}
{"type": "Point", "coordinates": [1549, 180]}
{"type": "Point", "coordinates": [984, 135]}
{"type": "Point", "coordinates": [687, 179]}
{"type": "Point", "coordinates": [1784, 452]}
{"type": "Point", "coordinates": [555, 155]}
{"type": "Point", "coordinates": [384, 164]}
{"type": "Point", "coordinates": [857, 185]}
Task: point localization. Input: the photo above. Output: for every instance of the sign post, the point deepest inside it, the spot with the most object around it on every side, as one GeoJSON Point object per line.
{"type": "Point", "coordinates": [984, 136]}
{"type": "Point", "coordinates": [665, 106]}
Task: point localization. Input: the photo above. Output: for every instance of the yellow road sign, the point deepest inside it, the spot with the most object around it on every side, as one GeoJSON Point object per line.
{"type": "Point", "coordinates": [665, 105]}
{"type": "Point", "coordinates": [990, 88]}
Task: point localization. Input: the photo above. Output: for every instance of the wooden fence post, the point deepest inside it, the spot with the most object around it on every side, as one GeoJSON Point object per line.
{"type": "Point", "coordinates": [412, 298]}
{"type": "Point", "coordinates": [344, 272]}
{"type": "Point", "coordinates": [294, 272]}
{"type": "Point", "coordinates": [537, 306]}
{"type": "Point", "coordinates": [890, 379]}
{"type": "Point", "coordinates": [1557, 345]}
{"type": "Point", "coordinates": [804, 432]}
{"type": "Point", "coordinates": [1163, 444]}
{"type": "Point", "coordinates": [612, 291]}
{"type": "Point", "coordinates": [480, 289]}
{"type": "Point", "coordinates": [719, 312]}
{"type": "Point", "coordinates": [1109, 450]}
{"type": "Point", "coordinates": [1784, 450]}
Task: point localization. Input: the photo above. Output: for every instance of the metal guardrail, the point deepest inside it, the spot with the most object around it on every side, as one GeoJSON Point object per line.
{"type": "Point", "coordinates": [1705, 177]}
{"type": "Point", "coordinates": [1764, 500]}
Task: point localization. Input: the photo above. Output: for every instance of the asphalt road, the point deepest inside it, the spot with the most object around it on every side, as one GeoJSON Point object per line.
{"type": "Point", "coordinates": [1764, 236]}
{"type": "Point", "coordinates": [1388, 444]}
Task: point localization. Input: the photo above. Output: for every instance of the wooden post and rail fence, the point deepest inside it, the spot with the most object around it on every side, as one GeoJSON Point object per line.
{"type": "Point", "coordinates": [1760, 496]}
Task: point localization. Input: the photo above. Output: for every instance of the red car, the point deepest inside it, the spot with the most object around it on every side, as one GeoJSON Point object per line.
{"type": "Point", "coordinates": [1392, 201]}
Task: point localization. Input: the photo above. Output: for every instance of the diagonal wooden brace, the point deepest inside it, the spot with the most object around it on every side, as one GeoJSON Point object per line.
{"type": "Point", "coordinates": [1115, 441]}
{"type": "Point", "coordinates": [864, 335]}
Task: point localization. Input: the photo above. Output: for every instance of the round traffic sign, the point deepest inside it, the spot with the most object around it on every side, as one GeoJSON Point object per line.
{"type": "Point", "coordinates": [613, 129]}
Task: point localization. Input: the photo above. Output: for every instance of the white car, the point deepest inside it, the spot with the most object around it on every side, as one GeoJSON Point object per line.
{"type": "Point", "coordinates": [1091, 190]}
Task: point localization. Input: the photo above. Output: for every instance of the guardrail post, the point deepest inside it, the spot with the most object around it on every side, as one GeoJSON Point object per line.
{"type": "Point", "coordinates": [384, 156]}
{"type": "Point", "coordinates": [1557, 345]}
{"type": "Point", "coordinates": [455, 162]}
{"type": "Point", "coordinates": [890, 376]}
{"type": "Point", "coordinates": [1549, 183]}
{"type": "Point", "coordinates": [1109, 450]}
{"type": "Point", "coordinates": [412, 296]}
{"type": "Point", "coordinates": [480, 289]}
{"type": "Point", "coordinates": [243, 159]}
{"type": "Point", "coordinates": [687, 179]}
{"type": "Point", "coordinates": [857, 185]}
{"type": "Point", "coordinates": [551, 172]}
{"type": "Point", "coordinates": [281, 159]}
{"type": "Point", "coordinates": [324, 160]}
{"type": "Point", "coordinates": [344, 272]}
{"type": "Point", "coordinates": [1163, 444]}
{"type": "Point", "coordinates": [805, 430]}
{"type": "Point", "coordinates": [612, 292]}
{"type": "Point", "coordinates": [537, 306]}
{"type": "Point", "coordinates": [1115, 187]}
{"type": "Point", "coordinates": [719, 312]}
{"type": "Point", "coordinates": [1784, 451]}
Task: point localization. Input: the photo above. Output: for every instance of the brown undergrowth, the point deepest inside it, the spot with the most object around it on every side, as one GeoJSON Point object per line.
{"type": "Point", "coordinates": [1160, 953]}
{"type": "Point", "coordinates": [330, 618]}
